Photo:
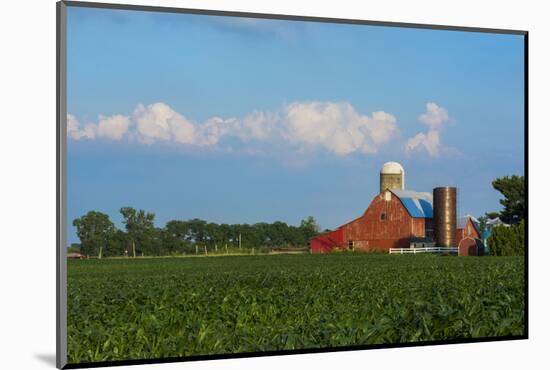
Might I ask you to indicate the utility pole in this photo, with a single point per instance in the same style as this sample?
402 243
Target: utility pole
239 240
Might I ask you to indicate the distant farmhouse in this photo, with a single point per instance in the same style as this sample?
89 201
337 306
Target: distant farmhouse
399 220
76 256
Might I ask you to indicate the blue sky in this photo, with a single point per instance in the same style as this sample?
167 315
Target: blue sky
240 120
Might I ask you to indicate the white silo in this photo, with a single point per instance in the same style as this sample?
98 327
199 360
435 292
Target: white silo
392 176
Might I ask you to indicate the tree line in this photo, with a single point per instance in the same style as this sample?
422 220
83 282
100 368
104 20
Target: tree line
140 237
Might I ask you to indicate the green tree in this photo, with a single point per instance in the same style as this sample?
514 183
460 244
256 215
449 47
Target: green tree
74 247
141 230
197 231
119 244
309 228
152 245
94 230
513 190
507 240
279 234
195 234
176 237
491 215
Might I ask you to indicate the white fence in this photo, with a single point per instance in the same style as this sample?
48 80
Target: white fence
451 250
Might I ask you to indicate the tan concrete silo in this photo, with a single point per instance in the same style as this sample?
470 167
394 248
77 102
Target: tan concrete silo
444 207
392 176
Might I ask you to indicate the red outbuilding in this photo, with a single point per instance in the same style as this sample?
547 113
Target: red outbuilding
468 237
326 242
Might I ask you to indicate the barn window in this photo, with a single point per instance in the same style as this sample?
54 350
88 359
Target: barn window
350 245
382 216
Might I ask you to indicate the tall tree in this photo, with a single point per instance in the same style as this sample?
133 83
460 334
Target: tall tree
141 229
197 231
119 244
176 236
94 230
309 228
513 190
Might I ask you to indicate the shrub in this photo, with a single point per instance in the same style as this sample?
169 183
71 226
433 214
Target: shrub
507 240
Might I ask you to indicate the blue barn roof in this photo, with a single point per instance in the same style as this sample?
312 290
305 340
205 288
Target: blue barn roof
418 204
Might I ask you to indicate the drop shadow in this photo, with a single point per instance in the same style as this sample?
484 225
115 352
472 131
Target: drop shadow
47 358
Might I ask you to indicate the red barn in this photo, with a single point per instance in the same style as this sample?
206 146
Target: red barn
398 218
391 220
326 242
468 237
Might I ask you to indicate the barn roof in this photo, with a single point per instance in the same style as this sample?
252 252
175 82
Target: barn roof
461 222
495 221
418 204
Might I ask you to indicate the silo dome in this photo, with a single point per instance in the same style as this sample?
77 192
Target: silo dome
392 176
392 168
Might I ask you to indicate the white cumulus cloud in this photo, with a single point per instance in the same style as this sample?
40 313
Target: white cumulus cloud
427 141
333 126
75 132
214 129
113 127
337 127
159 121
435 117
259 126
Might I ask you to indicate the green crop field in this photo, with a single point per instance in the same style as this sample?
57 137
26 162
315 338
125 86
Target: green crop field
166 307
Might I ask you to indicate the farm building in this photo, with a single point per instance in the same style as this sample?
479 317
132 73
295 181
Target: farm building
468 236
399 218
76 256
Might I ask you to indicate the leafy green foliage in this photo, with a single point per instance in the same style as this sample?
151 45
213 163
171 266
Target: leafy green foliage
513 190
73 248
182 236
118 244
188 237
141 230
507 240
309 228
94 230
164 307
